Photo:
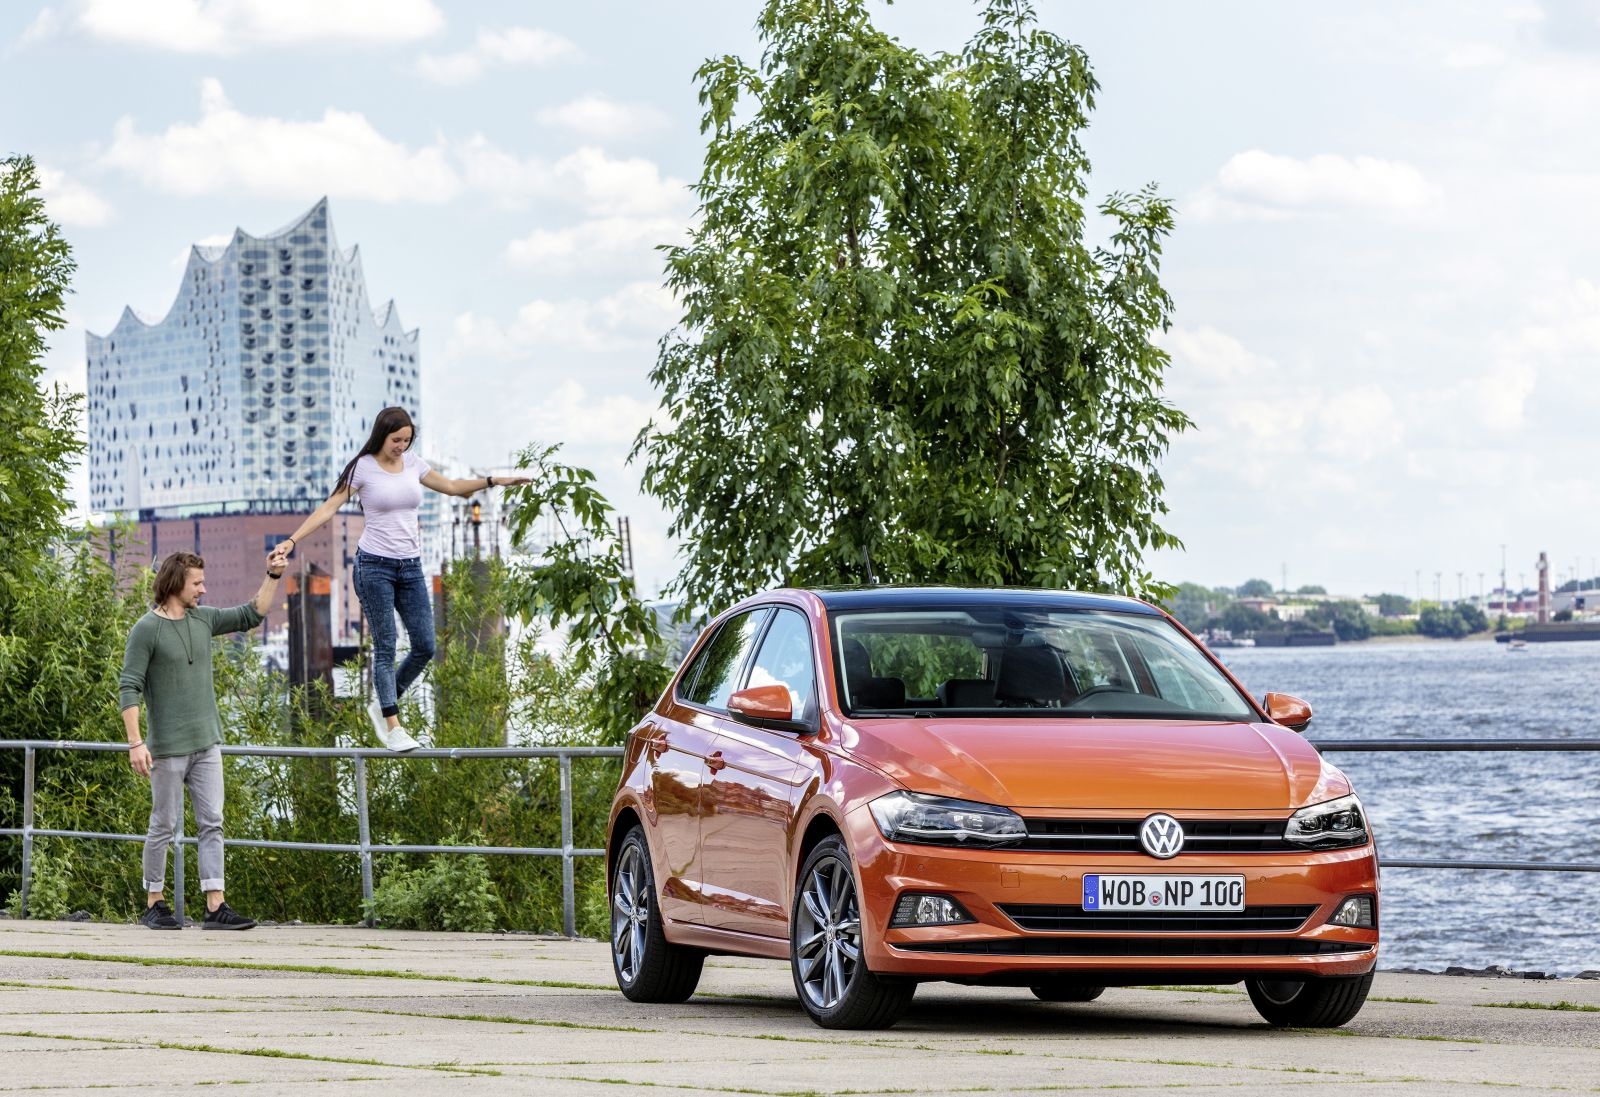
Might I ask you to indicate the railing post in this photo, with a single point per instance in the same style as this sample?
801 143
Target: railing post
178 886
27 831
569 920
364 836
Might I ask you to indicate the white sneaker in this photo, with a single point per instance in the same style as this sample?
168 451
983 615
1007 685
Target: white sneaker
398 739
380 722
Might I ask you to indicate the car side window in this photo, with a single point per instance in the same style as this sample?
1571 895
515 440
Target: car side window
785 658
724 658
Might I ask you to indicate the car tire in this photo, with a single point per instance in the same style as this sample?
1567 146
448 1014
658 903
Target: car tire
649 968
825 954
1309 1003
1061 991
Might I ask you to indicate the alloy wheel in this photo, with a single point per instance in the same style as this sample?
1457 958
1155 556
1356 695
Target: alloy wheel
828 937
630 914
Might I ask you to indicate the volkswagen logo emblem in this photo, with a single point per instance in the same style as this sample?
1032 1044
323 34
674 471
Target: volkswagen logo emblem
1161 836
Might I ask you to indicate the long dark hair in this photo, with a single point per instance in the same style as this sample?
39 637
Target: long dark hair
388 421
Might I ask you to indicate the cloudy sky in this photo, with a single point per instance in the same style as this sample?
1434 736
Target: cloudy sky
1385 268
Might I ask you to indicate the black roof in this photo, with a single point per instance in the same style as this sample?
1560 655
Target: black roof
847 598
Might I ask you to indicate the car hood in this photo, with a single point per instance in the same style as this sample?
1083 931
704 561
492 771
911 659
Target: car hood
1103 764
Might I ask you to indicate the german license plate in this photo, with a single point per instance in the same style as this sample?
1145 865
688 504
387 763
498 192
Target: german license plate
1163 892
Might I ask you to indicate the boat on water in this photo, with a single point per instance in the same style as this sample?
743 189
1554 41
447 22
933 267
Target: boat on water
1516 643
1552 632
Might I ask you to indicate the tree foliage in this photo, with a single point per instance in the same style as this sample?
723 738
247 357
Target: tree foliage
38 428
582 582
897 342
1452 622
1255 588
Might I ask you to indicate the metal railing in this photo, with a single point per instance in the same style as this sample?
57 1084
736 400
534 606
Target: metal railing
363 844
567 852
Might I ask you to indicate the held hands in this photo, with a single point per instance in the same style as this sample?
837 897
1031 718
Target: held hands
277 560
139 759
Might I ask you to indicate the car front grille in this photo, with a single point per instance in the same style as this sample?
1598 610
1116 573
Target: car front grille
1046 918
1136 946
1122 836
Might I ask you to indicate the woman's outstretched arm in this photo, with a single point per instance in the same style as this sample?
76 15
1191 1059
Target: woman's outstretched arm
316 521
446 486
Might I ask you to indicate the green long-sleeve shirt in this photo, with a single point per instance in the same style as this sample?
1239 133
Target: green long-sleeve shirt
169 663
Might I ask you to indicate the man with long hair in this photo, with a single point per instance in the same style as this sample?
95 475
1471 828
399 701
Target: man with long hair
168 664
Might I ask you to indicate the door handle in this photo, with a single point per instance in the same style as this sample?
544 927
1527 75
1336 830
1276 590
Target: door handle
715 761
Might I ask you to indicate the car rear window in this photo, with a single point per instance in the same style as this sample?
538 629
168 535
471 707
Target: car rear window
987 660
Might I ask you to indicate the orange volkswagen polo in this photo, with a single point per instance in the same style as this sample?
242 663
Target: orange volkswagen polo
1057 791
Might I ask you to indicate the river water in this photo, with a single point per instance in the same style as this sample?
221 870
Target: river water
1512 806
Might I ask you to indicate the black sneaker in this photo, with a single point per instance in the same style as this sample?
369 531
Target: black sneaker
225 917
159 916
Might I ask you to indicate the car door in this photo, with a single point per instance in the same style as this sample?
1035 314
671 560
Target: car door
676 743
755 778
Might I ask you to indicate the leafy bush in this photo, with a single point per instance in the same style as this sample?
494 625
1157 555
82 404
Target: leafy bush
50 891
449 892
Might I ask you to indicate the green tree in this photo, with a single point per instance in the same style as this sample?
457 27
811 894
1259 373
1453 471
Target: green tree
1255 588
1347 619
581 582
1393 605
897 343
38 443
38 429
1311 588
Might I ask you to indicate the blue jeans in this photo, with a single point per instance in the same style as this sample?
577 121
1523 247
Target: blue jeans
387 586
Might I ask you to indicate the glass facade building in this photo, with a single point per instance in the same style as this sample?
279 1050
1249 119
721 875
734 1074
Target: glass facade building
256 387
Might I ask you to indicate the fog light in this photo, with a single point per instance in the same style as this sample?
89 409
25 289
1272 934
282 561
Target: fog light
916 909
1358 911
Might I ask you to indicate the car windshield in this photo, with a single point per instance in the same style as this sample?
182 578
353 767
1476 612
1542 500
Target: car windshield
993 660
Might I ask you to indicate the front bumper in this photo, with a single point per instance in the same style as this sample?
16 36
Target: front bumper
996 949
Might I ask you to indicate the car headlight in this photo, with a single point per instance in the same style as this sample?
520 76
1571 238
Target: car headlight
941 821
1335 824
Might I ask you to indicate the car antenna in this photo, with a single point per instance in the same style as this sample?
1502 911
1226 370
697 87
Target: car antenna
867 556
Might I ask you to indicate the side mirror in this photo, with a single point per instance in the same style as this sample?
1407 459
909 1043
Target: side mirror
766 706
1289 711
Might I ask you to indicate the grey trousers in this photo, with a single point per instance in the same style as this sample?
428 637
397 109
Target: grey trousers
202 772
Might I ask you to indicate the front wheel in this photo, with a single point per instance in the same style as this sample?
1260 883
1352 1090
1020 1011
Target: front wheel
830 973
1309 1003
649 967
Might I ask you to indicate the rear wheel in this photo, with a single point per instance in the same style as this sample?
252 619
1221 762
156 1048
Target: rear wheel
830 972
1056 990
1309 1003
649 967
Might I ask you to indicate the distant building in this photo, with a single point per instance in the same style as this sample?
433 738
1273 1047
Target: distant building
217 427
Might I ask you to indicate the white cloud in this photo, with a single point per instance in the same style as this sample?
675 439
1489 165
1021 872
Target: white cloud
1211 355
595 117
598 245
226 27
607 424
631 319
599 184
339 154
71 202
496 48
1265 186
343 155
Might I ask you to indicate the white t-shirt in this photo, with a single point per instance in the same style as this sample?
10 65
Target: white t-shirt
390 501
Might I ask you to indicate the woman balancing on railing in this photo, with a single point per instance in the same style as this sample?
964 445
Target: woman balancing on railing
388 480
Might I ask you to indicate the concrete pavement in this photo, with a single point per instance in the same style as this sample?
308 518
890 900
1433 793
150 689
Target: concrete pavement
342 1010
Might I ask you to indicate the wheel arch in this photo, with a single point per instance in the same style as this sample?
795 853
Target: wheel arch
625 820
